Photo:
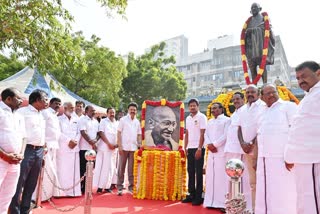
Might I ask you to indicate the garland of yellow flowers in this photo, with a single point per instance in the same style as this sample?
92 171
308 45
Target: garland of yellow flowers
264 51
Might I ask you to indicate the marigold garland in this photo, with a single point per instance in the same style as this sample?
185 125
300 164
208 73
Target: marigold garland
264 51
162 175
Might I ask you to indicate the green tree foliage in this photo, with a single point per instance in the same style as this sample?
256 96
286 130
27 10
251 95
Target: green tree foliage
153 76
39 30
101 82
9 66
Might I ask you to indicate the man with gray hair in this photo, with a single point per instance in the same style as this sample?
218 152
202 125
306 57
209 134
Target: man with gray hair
68 164
273 180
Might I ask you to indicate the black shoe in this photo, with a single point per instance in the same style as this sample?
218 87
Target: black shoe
223 210
188 199
99 190
119 192
197 202
113 186
108 190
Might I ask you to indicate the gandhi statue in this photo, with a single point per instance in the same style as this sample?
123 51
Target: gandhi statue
254 39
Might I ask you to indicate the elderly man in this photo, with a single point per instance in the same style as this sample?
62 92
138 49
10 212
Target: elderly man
68 165
215 139
128 140
233 149
196 124
88 127
104 171
162 124
12 132
273 180
52 133
302 152
248 116
31 164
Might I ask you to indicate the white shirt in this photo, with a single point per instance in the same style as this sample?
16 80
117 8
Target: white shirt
69 131
232 143
273 128
109 129
91 126
129 131
52 128
304 135
216 133
194 125
34 125
12 129
248 117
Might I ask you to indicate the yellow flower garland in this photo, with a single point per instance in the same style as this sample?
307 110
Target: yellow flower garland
162 176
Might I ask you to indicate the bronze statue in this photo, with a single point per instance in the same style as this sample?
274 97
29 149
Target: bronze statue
254 39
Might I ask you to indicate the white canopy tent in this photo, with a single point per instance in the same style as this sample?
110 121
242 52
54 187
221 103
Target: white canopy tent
30 79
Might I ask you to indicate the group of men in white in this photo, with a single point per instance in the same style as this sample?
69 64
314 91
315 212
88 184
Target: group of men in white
37 138
277 140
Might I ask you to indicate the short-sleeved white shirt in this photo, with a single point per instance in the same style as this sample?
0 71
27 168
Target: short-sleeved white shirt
194 125
91 126
12 129
109 128
34 125
52 128
129 131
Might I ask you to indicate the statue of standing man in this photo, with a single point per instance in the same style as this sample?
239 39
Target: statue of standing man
254 42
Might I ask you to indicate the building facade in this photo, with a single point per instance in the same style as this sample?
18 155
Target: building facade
220 66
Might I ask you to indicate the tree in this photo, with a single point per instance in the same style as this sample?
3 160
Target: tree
39 30
9 66
152 76
101 82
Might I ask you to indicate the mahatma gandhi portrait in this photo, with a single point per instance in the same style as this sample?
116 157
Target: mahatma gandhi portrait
162 127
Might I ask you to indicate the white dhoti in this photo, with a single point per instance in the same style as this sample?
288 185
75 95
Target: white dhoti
68 170
308 188
115 164
49 177
216 182
9 176
245 180
104 169
276 188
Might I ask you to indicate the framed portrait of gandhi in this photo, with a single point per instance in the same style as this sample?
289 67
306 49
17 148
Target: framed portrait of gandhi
162 124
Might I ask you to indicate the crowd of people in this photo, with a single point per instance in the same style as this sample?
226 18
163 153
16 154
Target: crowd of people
277 140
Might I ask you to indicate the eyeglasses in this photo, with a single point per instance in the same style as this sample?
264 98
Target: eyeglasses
167 123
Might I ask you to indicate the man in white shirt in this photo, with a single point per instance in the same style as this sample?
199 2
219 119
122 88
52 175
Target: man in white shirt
79 107
12 131
248 115
215 139
105 163
302 151
233 149
196 124
31 164
68 165
128 140
89 128
52 133
273 180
